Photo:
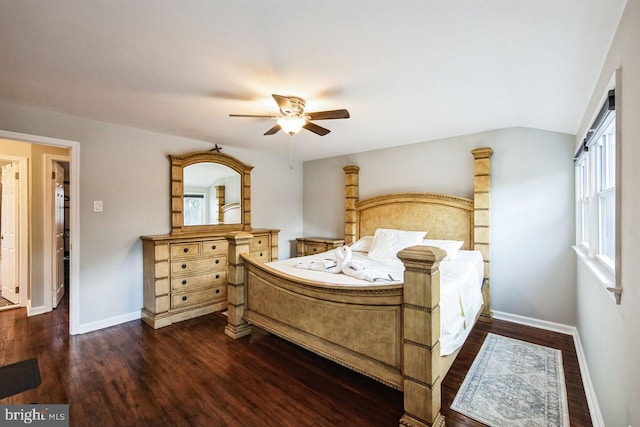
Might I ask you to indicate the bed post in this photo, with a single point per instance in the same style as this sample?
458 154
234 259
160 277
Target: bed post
237 327
482 219
421 336
350 199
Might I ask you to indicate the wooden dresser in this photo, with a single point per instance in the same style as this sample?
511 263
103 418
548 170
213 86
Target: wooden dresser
316 245
186 276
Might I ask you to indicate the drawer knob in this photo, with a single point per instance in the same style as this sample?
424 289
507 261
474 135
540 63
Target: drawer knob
184 265
217 261
213 246
217 276
186 250
184 282
259 242
315 249
184 298
260 253
217 291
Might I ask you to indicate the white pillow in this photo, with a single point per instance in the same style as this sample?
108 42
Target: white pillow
388 242
450 246
363 244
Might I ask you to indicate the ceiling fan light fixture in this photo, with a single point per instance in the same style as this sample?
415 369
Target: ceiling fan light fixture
293 117
291 125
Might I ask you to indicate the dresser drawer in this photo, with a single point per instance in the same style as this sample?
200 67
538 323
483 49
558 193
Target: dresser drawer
202 296
187 266
316 248
181 250
259 243
262 255
216 278
212 247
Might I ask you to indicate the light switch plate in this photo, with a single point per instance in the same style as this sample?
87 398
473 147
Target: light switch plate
97 205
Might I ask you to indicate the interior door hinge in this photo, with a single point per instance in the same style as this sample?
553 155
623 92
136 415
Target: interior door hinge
17 175
53 175
17 289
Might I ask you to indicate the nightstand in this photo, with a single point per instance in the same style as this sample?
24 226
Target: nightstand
316 245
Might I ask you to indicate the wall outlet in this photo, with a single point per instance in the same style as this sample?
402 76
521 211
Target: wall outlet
97 205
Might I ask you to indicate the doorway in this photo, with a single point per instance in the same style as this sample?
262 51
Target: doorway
73 159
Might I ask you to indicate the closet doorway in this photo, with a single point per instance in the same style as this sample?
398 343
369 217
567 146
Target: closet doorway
57 204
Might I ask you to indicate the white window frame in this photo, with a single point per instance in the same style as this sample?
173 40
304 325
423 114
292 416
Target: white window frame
596 178
604 153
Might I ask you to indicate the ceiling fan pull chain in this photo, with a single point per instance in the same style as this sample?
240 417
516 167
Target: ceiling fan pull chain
291 154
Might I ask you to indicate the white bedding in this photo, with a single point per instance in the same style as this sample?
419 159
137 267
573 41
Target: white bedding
460 288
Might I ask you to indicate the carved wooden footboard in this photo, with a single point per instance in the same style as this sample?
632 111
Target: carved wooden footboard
389 333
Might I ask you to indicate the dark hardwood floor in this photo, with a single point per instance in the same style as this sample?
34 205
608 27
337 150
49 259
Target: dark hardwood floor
191 374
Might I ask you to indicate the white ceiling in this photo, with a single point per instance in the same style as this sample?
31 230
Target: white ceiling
407 71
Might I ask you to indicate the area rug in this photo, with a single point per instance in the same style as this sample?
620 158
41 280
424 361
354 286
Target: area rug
19 377
514 383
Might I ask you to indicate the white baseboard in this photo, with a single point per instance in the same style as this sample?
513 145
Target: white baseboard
105 323
592 401
536 323
33 311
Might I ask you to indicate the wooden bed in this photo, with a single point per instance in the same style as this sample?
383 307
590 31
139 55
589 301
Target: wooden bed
387 332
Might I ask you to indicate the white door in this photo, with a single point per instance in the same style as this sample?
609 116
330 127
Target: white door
58 206
9 225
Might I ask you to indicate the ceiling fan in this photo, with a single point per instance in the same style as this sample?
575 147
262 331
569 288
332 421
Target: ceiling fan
293 118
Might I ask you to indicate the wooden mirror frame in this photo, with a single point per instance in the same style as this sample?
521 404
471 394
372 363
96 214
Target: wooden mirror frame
179 162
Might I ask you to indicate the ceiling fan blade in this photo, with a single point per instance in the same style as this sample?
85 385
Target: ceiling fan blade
273 130
325 115
284 103
254 115
316 129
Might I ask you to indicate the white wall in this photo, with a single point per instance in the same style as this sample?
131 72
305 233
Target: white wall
128 170
610 333
533 266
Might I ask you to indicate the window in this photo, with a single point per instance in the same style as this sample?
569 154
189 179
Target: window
595 166
582 202
194 209
606 192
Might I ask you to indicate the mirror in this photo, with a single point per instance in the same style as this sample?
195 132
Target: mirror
210 191
211 195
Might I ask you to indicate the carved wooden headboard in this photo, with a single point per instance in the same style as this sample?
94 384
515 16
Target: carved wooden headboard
442 216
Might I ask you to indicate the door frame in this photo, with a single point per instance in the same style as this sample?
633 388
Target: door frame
49 226
23 228
74 218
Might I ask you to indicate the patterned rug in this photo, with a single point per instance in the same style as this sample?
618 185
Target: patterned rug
514 383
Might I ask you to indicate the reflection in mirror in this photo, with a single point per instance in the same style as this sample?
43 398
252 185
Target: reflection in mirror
212 194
